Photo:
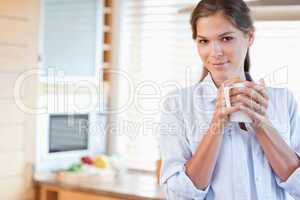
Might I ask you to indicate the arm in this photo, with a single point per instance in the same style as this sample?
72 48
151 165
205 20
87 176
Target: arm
183 175
200 168
175 152
283 158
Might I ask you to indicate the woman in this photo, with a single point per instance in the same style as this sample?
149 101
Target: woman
204 155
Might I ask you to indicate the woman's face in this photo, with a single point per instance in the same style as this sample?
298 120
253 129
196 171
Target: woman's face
222 47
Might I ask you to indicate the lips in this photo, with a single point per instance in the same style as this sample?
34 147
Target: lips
219 63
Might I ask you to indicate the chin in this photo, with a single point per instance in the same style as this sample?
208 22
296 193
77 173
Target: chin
221 77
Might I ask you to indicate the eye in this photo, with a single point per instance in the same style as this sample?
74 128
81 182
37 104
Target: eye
227 38
202 41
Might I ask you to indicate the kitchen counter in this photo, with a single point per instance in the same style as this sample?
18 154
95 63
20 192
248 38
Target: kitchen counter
131 185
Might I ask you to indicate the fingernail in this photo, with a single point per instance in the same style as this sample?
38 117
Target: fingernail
262 81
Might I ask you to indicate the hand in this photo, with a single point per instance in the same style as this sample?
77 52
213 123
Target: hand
221 113
253 100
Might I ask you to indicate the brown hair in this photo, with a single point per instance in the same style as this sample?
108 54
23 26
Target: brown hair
236 11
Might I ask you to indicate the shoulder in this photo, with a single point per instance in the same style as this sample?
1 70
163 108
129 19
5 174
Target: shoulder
180 97
281 95
277 90
282 105
197 88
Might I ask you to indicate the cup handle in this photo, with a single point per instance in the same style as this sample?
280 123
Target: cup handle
227 96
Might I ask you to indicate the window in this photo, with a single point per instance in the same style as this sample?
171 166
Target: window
274 54
158 55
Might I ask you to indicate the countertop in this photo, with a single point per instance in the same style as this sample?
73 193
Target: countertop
131 185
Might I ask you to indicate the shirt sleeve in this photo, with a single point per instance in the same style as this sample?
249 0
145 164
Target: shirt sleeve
175 152
292 184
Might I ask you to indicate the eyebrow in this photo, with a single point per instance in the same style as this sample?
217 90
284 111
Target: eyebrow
226 33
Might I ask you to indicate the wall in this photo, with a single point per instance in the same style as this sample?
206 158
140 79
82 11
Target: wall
18 53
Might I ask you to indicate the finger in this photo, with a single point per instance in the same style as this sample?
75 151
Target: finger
258 88
249 103
253 115
228 110
221 99
231 81
261 89
254 95
220 103
224 84
249 92
262 82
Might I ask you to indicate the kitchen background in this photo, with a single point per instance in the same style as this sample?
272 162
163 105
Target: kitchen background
108 63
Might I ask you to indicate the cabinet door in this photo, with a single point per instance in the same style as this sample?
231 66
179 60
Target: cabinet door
70 36
69 195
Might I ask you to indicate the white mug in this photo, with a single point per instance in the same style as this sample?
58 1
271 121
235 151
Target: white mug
236 116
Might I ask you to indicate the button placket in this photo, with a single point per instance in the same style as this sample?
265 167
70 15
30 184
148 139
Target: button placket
238 168
256 154
228 130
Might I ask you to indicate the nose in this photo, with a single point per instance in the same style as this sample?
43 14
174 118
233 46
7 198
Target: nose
216 49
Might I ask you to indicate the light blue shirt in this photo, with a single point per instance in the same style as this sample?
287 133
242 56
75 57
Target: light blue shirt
242 171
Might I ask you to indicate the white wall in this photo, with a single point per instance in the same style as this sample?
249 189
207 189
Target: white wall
18 53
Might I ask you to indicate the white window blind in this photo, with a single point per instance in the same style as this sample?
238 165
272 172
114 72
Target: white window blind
275 53
158 54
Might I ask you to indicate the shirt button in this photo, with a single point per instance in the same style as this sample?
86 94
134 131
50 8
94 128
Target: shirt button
258 152
228 132
257 179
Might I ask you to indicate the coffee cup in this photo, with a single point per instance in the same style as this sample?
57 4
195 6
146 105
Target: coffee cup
238 116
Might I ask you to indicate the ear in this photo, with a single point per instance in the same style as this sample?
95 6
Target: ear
250 37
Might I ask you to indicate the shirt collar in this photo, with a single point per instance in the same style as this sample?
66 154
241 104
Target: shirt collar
210 90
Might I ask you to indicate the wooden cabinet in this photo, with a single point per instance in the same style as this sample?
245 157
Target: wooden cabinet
107 38
69 195
48 192
129 186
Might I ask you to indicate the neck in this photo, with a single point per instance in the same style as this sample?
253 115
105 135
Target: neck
219 80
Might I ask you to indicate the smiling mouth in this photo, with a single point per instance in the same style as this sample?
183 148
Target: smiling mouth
223 63
219 65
